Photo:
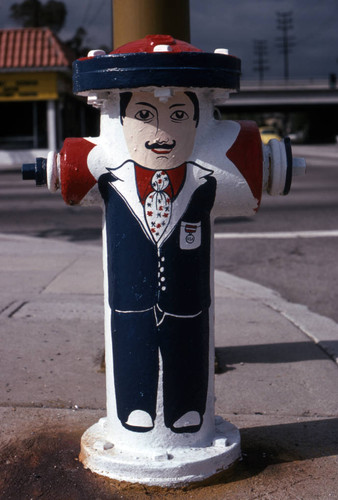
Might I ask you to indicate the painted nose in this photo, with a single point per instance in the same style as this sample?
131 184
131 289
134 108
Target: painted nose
161 140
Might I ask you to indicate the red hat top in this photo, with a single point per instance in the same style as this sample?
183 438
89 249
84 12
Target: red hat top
154 43
156 61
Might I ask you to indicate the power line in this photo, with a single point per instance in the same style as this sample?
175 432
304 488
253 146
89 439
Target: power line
86 12
96 12
260 63
285 42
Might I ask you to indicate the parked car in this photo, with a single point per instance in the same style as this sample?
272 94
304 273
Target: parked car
268 133
297 137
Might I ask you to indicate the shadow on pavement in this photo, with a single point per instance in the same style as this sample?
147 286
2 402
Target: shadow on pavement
288 352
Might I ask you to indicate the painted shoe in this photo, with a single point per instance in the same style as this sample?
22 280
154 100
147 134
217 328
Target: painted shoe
189 422
139 421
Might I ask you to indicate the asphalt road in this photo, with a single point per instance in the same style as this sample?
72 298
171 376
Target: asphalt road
302 269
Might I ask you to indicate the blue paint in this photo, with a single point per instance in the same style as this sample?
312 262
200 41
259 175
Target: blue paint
183 69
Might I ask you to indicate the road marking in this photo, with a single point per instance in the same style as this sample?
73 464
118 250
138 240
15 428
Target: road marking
278 235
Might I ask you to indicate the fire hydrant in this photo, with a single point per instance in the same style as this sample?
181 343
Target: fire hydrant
165 166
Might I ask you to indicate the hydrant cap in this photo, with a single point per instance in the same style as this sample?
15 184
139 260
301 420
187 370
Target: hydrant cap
156 61
149 43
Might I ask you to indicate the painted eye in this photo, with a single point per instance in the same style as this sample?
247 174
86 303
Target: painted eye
179 115
144 115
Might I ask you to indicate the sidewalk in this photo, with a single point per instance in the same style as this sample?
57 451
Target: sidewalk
277 379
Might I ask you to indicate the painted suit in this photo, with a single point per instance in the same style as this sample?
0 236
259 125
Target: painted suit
159 295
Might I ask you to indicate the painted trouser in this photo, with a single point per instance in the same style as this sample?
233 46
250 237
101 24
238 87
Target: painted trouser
183 342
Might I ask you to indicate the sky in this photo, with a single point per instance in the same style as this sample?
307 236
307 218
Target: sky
234 25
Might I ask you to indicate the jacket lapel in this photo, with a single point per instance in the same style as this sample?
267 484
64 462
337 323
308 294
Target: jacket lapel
195 177
124 183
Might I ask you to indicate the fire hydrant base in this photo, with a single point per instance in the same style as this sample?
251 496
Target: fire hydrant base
167 468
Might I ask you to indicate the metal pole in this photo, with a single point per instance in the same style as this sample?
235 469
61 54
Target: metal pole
134 19
35 125
51 125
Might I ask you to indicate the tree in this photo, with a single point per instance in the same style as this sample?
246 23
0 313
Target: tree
34 14
76 43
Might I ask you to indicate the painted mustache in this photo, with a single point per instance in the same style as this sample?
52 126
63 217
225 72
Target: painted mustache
157 147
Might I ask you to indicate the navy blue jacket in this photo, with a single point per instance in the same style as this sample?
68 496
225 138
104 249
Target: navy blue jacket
175 275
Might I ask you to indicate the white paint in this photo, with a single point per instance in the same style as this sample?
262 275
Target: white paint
170 467
276 164
221 51
162 48
278 235
163 94
96 52
53 171
275 167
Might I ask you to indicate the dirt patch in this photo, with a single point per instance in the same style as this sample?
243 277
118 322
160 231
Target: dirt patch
45 465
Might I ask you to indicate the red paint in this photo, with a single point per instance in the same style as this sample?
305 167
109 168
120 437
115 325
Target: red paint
76 179
148 43
246 153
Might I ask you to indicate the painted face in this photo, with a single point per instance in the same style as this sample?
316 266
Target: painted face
159 135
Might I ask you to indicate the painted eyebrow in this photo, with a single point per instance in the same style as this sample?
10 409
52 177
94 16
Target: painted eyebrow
147 104
176 105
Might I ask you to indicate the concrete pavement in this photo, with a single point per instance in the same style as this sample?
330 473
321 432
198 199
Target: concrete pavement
277 379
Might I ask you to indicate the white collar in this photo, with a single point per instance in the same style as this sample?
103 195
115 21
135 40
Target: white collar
125 185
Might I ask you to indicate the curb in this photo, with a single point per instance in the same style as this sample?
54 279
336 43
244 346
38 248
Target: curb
321 330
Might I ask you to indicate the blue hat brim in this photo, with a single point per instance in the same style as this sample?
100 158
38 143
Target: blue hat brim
181 69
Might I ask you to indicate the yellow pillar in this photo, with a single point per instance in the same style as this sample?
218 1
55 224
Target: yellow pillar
134 19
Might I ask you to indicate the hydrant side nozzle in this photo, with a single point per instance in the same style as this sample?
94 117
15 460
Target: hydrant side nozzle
279 166
35 171
279 169
298 166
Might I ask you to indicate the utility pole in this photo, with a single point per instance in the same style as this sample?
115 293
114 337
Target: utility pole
285 42
260 51
134 19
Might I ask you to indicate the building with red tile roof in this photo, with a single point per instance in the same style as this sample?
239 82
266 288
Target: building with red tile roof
32 48
36 97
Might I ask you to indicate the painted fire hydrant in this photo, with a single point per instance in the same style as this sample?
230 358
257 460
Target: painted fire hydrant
165 167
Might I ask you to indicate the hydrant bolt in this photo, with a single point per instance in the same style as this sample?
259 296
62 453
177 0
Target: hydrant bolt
35 171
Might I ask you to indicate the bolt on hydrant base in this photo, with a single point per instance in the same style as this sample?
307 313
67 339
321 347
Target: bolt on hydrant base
170 468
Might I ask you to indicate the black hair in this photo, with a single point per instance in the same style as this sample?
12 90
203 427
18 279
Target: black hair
124 101
193 98
126 96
